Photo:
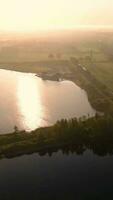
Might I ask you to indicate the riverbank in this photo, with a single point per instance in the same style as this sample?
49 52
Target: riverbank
72 135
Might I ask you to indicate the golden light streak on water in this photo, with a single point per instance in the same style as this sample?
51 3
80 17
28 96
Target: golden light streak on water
29 102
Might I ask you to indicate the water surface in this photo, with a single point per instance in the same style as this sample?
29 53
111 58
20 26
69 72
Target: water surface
29 102
59 177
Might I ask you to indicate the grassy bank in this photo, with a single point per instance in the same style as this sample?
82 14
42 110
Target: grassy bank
74 135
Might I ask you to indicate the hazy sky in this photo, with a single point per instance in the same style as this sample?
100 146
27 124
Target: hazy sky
31 15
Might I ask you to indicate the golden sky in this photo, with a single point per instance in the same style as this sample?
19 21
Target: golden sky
34 15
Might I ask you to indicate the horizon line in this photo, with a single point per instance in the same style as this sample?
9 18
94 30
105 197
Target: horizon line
79 27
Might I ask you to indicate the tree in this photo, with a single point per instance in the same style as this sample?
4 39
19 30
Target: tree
51 56
16 129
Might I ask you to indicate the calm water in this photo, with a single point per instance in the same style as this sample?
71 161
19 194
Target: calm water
60 177
29 102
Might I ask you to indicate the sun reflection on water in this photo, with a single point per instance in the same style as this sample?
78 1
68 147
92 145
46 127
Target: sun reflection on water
29 102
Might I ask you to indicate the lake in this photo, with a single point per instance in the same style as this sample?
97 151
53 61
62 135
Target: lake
59 177
29 102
